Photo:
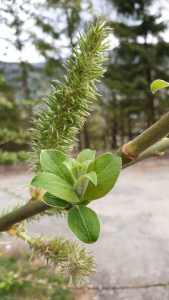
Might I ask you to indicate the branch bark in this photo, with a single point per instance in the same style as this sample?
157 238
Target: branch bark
151 136
156 150
24 212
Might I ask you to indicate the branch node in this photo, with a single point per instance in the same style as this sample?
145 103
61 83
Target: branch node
31 201
128 154
159 153
12 230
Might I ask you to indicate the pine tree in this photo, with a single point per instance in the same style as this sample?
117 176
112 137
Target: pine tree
12 133
140 58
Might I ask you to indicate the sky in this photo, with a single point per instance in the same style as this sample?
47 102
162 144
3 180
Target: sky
29 53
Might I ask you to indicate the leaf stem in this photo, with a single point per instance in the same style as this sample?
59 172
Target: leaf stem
24 237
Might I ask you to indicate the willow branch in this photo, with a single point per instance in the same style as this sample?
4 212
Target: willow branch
24 212
154 151
148 138
142 144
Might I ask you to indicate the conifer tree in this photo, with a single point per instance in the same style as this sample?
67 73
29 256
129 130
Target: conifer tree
12 131
140 58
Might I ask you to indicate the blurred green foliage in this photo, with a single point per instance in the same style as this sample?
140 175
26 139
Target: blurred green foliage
142 55
13 135
22 280
9 157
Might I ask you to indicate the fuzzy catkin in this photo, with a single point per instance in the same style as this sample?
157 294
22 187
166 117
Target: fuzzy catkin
69 104
72 260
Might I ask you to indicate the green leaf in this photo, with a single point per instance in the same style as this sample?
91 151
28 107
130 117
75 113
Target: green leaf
82 183
158 84
85 202
84 223
56 186
87 166
52 162
86 154
107 167
74 167
91 176
54 201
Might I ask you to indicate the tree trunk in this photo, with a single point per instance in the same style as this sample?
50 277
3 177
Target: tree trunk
114 128
26 90
114 134
86 137
150 101
79 142
130 136
122 127
25 80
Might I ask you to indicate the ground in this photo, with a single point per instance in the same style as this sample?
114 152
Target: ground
132 253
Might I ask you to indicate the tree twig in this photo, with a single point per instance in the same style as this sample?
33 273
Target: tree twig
148 138
22 213
154 151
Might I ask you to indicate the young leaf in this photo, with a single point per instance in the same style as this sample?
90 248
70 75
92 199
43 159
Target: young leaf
88 166
74 167
107 167
54 201
85 202
86 154
82 183
52 162
158 84
84 223
56 186
91 176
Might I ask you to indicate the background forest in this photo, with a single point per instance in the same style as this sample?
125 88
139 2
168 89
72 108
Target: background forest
35 41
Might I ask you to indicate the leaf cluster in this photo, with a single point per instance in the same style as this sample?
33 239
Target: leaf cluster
74 183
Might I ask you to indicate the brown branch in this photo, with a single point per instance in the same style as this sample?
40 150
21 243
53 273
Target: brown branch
24 212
